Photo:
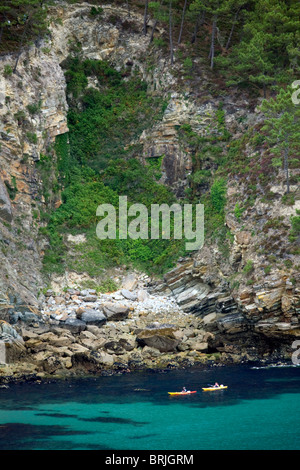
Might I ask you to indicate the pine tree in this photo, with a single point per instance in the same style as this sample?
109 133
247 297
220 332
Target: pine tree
252 62
4 18
22 21
212 9
236 9
268 52
282 127
145 17
159 15
182 21
171 32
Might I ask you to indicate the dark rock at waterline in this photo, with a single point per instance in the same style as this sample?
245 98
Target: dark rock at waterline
114 347
119 347
159 337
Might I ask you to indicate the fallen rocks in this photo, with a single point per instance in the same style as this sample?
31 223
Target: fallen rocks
160 337
130 282
115 311
93 317
74 325
128 295
82 330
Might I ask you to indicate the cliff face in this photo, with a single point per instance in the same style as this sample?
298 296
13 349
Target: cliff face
248 294
33 111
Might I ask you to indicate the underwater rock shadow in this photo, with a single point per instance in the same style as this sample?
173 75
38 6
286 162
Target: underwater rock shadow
27 436
112 419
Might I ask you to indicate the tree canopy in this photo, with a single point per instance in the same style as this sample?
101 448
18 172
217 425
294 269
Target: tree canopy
21 21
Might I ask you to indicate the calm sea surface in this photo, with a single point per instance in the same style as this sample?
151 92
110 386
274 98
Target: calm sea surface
260 410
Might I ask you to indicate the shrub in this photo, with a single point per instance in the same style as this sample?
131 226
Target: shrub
248 268
96 11
295 220
238 211
32 137
218 194
20 116
188 64
7 71
34 108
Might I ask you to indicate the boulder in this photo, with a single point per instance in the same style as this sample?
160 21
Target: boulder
200 346
114 347
27 334
130 282
90 298
93 317
51 364
28 318
149 353
79 311
87 335
142 295
128 295
96 330
60 341
105 359
115 311
8 332
118 347
90 341
36 345
160 337
12 346
79 349
74 325
128 345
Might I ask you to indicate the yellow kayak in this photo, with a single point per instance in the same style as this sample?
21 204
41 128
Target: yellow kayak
212 389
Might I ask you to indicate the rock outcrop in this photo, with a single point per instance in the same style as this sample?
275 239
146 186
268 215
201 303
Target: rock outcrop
5 204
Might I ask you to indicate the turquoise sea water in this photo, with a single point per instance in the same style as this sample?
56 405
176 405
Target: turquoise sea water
260 410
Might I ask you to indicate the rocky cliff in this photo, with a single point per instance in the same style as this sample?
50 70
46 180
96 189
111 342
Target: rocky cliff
241 299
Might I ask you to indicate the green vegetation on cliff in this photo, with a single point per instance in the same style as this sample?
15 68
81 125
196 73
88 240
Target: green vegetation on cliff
244 44
97 164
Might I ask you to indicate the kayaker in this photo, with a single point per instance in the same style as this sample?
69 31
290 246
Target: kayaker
216 385
184 389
